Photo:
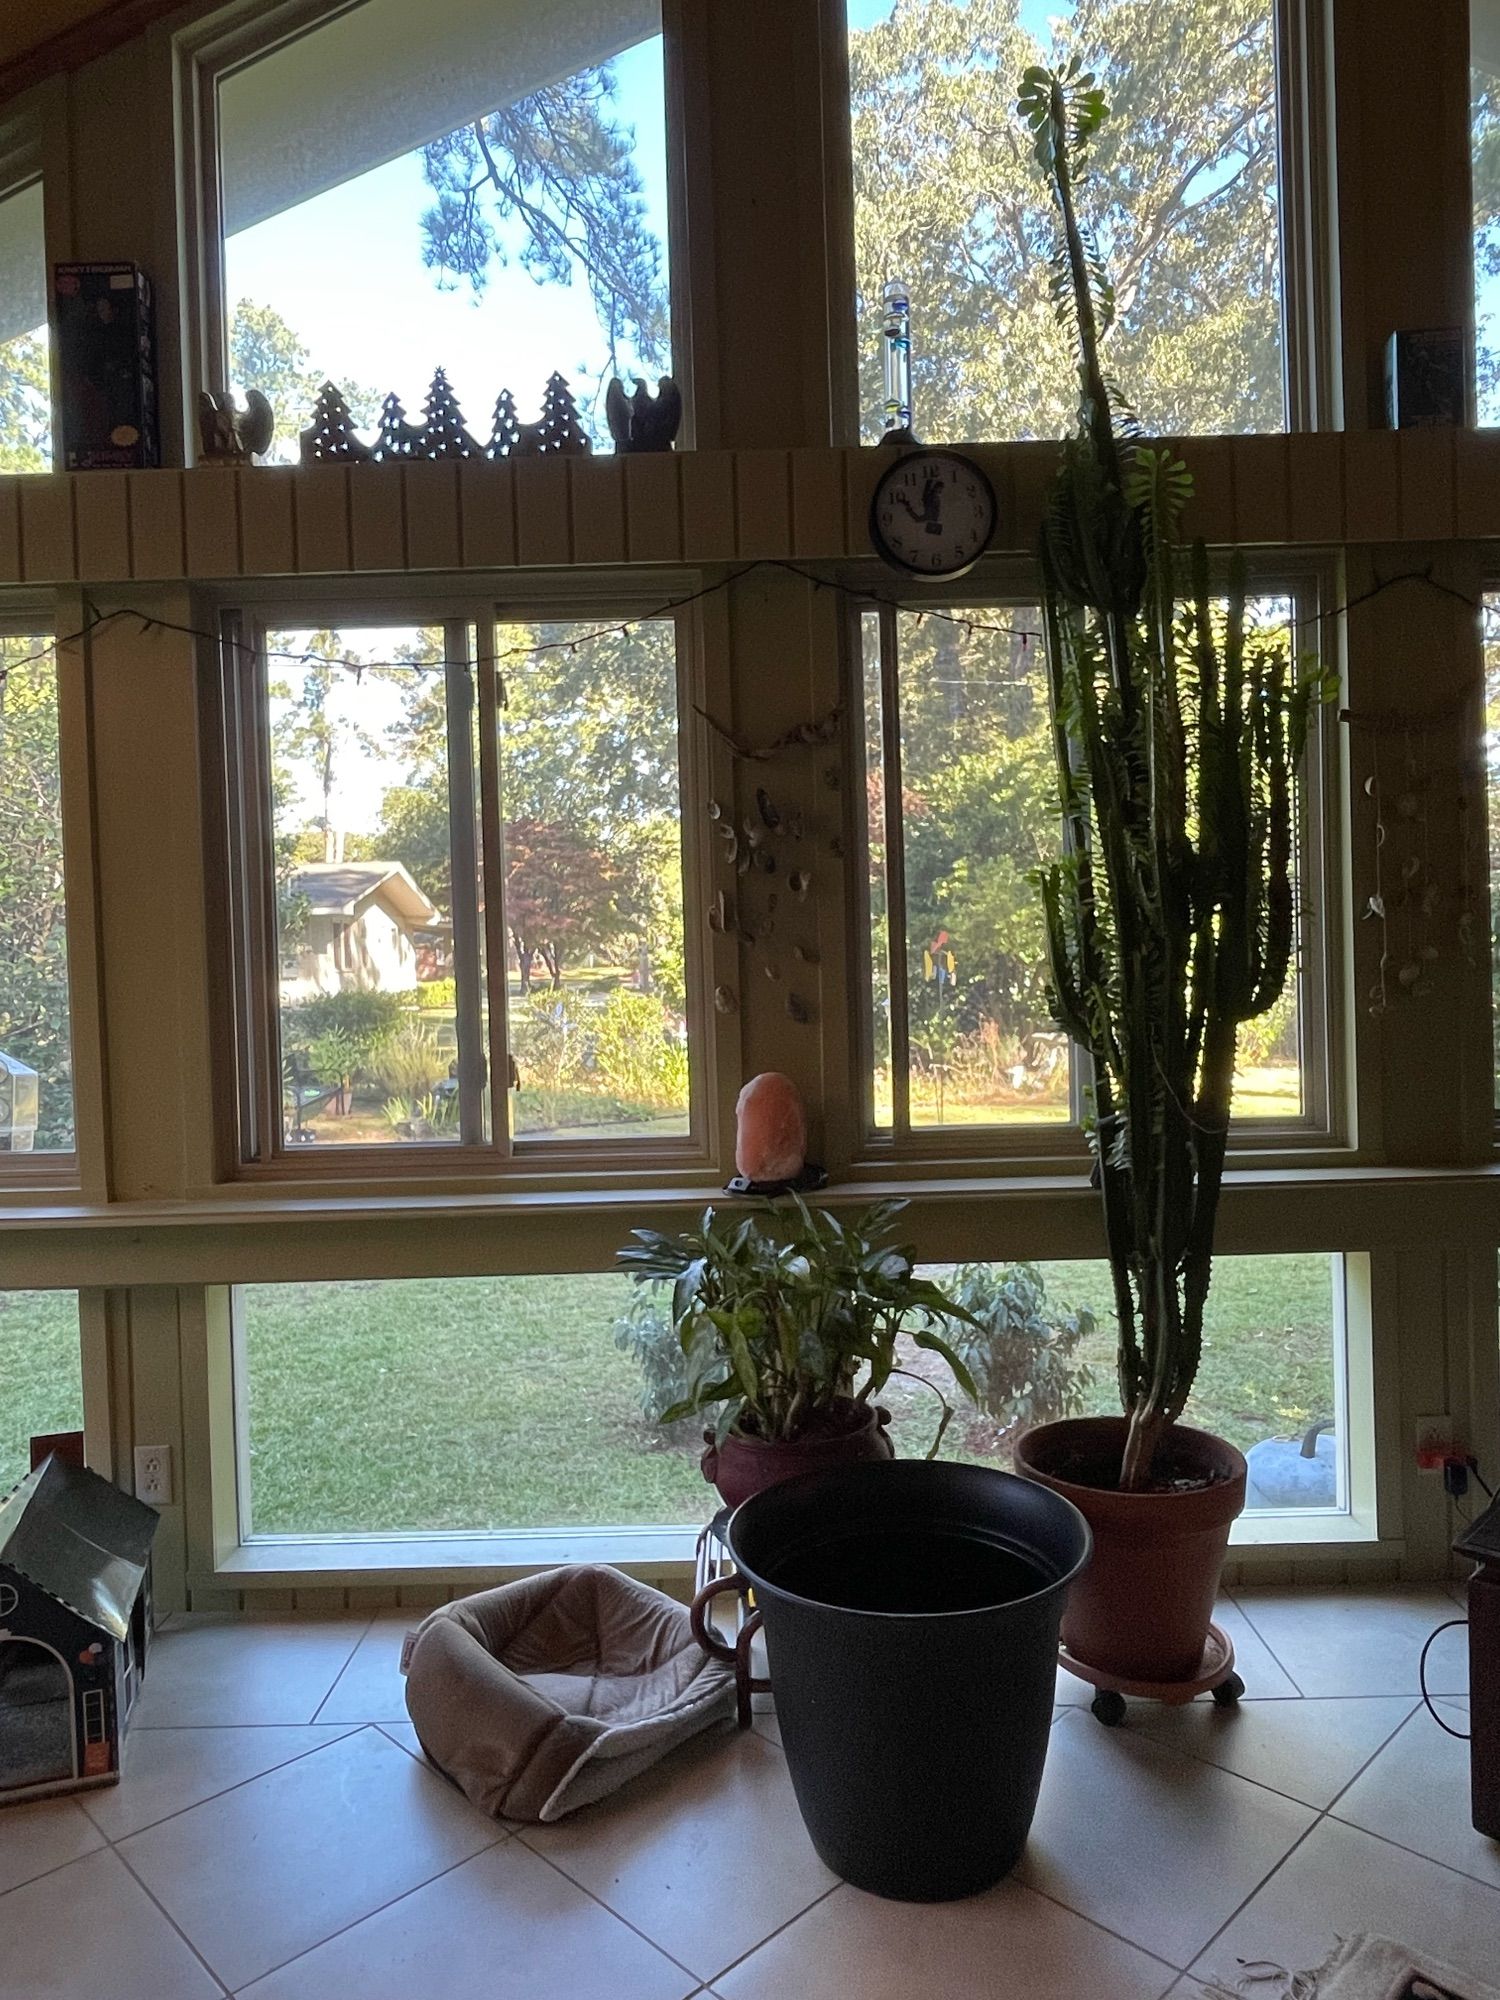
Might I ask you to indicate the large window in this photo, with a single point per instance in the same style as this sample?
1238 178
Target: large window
476 184
531 1402
948 202
36 1065
460 855
1484 34
41 1375
961 809
25 384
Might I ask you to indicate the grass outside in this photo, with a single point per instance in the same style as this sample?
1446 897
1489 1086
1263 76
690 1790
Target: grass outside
1272 1091
472 1403
41 1375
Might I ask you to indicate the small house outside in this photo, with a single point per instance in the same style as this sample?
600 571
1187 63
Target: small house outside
354 927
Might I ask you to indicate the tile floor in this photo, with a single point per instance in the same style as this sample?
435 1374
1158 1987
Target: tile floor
278 1834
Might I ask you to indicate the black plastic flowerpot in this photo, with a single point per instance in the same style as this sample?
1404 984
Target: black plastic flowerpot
911 1615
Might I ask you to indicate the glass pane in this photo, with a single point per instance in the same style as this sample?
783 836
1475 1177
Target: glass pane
25 381
1268 1079
593 881
875 850
1183 193
483 188
1271 1379
979 812
36 1058
364 892
517 1409
41 1374
1484 44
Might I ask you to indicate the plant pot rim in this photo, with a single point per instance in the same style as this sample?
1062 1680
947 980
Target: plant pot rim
1222 1498
873 1417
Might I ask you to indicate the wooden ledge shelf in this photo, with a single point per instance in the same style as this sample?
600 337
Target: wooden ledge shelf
215 524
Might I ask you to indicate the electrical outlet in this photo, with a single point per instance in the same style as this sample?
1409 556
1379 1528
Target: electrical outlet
1435 1441
153 1474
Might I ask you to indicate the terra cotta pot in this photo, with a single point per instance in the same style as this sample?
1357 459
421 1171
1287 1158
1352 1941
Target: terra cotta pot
743 1465
1141 1610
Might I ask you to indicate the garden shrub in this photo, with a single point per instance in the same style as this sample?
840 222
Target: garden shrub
364 1017
408 1062
637 1055
437 994
1023 1357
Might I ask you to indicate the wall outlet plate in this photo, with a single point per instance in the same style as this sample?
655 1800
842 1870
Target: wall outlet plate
1435 1442
153 1474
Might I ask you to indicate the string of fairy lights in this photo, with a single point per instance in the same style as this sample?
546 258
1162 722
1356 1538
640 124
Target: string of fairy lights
968 622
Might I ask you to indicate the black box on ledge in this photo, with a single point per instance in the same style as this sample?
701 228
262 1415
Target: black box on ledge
106 347
1426 378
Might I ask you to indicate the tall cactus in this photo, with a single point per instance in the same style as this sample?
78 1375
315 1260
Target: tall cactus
1170 917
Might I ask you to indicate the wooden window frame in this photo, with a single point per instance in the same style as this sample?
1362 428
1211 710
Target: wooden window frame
238 35
1310 331
1060 1145
250 1138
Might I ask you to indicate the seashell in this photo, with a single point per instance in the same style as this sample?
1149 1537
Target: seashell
724 999
767 811
799 881
771 969
715 810
797 1008
804 954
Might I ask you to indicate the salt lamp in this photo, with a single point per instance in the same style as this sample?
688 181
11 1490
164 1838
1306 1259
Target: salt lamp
770 1141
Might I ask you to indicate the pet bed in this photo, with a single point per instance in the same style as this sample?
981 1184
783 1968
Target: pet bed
546 1694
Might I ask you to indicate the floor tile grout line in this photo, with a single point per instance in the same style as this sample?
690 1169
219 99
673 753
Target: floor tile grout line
770 1936
1239 1607
369 1627
1403 1724
1417 1854
369 1915
1245 1901
155 1901
609 1908
297 1756
57 1866
1094 1923
1187 1750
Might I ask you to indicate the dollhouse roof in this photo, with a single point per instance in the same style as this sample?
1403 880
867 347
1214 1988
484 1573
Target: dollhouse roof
79 1539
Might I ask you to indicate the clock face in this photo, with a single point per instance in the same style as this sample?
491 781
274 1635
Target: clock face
933 513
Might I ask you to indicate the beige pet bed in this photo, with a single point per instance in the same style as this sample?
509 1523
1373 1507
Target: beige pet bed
546 1694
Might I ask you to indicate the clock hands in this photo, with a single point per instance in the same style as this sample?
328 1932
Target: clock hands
931 508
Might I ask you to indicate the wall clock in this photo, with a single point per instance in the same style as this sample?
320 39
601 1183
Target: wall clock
933 514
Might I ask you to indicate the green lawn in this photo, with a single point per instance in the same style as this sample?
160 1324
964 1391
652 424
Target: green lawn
503 1402
41 1385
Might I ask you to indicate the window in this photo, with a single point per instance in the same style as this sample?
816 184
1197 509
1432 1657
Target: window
1272 1381
25 381
961 809
1484 35
948 202
451 1405
529 1402
36 1066
468 184
41 1374
450 877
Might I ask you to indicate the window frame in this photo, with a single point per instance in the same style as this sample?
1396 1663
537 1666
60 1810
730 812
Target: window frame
251 1144
22 613
235 37
29 158
1311 370
1059 1145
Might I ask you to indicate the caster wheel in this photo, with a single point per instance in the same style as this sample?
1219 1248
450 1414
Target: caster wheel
1227 1693
1109 1708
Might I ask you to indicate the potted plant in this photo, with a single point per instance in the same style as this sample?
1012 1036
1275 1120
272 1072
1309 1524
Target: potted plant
788 1320
1169 922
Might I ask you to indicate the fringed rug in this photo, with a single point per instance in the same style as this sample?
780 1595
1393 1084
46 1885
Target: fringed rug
1363 1968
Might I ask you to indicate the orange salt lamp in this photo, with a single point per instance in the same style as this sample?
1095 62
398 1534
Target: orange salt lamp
770 1141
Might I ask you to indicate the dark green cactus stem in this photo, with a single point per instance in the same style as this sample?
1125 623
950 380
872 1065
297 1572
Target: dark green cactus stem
1170 918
